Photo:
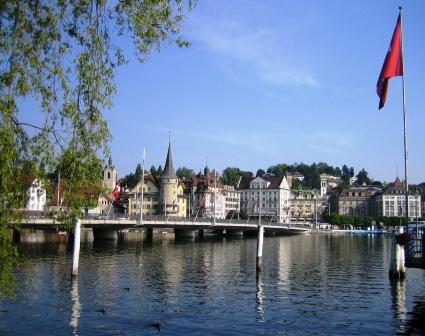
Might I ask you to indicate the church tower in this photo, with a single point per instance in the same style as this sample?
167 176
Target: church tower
168 187
109 176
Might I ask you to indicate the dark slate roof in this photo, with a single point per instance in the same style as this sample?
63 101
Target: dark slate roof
168 171
275 181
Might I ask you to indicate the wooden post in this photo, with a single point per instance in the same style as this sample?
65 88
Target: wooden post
260 238
397 267
76 252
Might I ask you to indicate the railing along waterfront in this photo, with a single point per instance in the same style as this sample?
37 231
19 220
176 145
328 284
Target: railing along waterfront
414 251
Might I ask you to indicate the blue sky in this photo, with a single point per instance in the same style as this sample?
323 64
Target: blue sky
268 82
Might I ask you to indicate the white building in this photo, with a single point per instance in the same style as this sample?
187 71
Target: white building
392 202
232 199
109 181
328 182
207 195
36 195
268 197
306 205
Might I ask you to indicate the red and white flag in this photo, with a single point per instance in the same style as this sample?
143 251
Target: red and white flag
393 64
201 201
116 190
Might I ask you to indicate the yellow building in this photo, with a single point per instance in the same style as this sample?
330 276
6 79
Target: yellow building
162 195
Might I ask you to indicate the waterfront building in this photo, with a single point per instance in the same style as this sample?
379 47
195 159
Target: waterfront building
109 181
306 205
162 195
392 201
328 182
151 188
232 199
36 194
357 201
209 197
422 206
268 196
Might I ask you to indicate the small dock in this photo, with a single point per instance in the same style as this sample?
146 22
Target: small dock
414 251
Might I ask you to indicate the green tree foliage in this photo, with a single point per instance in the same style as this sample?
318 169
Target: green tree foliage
129 181
345 175
363 178
233 214
337 172
138 173
363 221
278 170
184 172
156 171
231 176
260 172
62 56
312 172
297 184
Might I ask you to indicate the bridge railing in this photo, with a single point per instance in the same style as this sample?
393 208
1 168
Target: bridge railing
175 219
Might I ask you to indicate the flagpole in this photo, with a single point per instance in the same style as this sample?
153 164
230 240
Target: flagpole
406 184
143 185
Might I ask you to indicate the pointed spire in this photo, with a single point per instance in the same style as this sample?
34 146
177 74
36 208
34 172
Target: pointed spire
168 171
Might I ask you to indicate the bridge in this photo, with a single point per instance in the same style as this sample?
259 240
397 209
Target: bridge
116 222
106 228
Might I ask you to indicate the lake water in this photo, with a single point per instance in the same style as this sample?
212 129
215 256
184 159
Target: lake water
310 284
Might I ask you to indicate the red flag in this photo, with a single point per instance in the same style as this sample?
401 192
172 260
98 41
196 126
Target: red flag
393 64
201 202
116 190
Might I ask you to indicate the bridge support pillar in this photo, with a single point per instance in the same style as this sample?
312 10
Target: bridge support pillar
184 233
260 238
104 234
234 233
149 234
76 251
397 267
201 233
16 236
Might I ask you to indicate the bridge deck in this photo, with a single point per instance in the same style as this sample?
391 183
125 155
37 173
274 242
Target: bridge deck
163 222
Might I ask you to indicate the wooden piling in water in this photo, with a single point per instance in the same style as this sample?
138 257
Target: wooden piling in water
76 251
397 267
260 238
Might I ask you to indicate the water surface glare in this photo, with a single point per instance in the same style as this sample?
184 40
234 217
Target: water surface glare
310 284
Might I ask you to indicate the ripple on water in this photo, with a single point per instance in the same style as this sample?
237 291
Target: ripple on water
310 284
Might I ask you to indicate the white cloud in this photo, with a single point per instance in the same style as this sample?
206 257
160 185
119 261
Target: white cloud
258 51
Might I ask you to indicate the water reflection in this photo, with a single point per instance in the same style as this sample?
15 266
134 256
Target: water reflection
416 318
76 307
259 298
311 283
398 292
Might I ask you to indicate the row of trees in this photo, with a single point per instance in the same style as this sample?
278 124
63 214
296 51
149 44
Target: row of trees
231 175
131 179
364 221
